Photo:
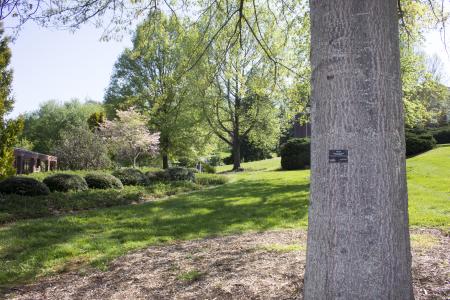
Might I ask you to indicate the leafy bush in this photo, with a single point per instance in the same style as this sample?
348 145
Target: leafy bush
295 154
207 168
187 162
418 143
210 179
65 182
442 135
215 160
81 149
16 207
250 151
131 176
24 186
180 174
229 160
156 176
103 181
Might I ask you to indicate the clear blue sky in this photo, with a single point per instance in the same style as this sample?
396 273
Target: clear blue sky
51 64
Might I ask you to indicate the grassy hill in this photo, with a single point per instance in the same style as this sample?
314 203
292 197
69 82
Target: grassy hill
260 199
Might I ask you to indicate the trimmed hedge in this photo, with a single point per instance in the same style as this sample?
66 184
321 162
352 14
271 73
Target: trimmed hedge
442 135
156 176
295 154
65 183
131 176
103 181
180 174
418 143
24 186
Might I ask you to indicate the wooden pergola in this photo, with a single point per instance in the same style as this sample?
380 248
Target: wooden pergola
26 161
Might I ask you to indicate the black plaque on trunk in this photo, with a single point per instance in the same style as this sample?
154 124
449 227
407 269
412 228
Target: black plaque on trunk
338 156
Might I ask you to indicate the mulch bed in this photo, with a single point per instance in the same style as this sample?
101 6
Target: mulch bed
268 265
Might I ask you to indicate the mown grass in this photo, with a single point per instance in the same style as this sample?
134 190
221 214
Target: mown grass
251 201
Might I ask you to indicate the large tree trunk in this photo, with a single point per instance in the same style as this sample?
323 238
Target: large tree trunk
358 238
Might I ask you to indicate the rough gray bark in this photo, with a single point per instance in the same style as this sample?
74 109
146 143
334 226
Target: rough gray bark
358 238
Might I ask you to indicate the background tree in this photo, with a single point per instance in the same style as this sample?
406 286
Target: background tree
44 126
96 120
129 136
78 148
152 78
9 129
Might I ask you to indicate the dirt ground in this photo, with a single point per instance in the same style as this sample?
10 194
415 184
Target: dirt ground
267 265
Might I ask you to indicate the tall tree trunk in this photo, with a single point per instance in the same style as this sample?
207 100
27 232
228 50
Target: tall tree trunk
236 153
358 238
165 161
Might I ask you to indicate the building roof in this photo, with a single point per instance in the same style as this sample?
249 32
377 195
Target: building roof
30 154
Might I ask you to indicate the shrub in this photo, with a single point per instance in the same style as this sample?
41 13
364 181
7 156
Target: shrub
24 186
65 182
418 143
207 168
442 135
229 160
215 160
103 181
295 154
131 176
210 179
81 149
156 176
179 174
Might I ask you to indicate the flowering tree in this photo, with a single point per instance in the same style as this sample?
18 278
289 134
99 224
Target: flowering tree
129 136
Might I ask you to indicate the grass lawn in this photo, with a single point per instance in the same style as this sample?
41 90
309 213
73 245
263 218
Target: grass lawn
260 199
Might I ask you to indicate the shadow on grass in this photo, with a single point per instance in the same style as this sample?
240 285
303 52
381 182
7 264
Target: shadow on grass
33 248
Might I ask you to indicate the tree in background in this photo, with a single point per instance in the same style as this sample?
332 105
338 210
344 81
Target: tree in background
44 127
129 137
9 129
153 78
78 148
96 120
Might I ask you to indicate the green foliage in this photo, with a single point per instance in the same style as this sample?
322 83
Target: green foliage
162 45
207 168
16 207
9 129
190 276
130 176
24 186
442 135
95 120
45 127
79 148
295 154
210 179
156 176
23 143
65 182
251 151
103 181
180 174
215 160
417 143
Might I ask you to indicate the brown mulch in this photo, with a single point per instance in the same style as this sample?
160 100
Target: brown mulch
267 265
